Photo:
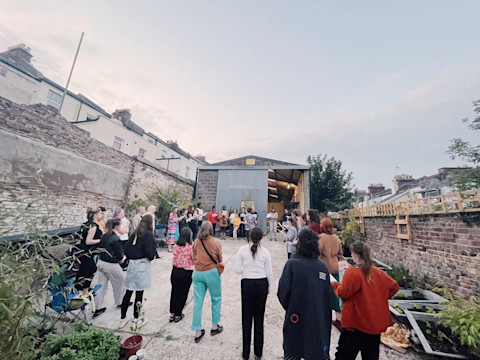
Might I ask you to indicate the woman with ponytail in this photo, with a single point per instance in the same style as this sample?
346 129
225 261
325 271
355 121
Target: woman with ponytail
254 263
365 290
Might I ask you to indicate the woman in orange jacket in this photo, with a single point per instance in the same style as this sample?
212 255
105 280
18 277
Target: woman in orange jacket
365 290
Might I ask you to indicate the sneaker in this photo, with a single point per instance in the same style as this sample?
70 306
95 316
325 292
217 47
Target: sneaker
99 312
216 331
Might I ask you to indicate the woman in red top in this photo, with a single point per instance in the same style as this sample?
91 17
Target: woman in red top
181 277
313 220
365 290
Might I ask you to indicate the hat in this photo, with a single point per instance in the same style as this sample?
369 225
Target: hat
174 206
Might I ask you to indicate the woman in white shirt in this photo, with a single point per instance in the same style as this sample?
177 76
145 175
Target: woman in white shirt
254 263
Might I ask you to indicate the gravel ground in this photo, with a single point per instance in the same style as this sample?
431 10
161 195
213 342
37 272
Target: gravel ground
164 340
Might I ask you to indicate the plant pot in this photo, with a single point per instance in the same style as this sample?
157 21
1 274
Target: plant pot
132 345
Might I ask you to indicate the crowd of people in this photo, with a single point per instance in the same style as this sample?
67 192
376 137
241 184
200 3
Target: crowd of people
309 288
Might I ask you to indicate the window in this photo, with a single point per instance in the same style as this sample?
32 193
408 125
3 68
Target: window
117 143
187 171
164 154
141 153
151 141
54 99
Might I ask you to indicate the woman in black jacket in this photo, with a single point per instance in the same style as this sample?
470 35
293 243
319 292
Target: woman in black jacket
140 250
304 292
108 265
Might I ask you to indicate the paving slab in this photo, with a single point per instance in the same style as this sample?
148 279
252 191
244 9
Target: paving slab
164 340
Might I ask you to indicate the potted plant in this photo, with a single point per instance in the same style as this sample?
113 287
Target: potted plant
348 236
132 344
402 276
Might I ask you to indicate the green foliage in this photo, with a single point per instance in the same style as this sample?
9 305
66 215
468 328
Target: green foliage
351 231
331 186
469 178
402 276
82 343
462 317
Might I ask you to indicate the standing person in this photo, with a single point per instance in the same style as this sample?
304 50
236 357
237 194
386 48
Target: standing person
91 235
303 291
232 217
254 263
313 220
100 218
172 228
151 211
181 277
122 231
108 266
192 221
199 213
249 223
331 252
241 229
182 220
207 255
140 250
255 215
365 290
272 218
303 222
285 216
291 237
223 222
236 226
137 218
212 217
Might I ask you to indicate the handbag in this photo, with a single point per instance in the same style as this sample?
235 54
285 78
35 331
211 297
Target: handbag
220 265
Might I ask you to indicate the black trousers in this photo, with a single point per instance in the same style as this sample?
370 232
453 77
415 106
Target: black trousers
181 280
126 301
351 342
241 230
214 228
254 297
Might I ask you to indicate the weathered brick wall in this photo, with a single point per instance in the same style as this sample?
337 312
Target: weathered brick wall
77 171
207 187
444 247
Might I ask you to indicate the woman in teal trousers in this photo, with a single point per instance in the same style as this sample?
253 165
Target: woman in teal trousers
207 255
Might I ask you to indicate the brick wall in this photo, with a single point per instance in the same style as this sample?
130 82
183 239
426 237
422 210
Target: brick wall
444 247
77 171
207 187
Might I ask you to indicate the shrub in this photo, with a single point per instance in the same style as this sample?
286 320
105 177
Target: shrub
402 276
82 343
350 233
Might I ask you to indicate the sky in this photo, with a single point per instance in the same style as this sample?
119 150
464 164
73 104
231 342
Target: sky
381 86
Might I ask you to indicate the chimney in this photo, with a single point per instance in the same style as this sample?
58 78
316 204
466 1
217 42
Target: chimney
201 158
375 189
399 181
172 144
123 115
18 53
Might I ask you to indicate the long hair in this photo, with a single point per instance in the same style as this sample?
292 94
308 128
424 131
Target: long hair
293 221
363 251
256 235
112 224
326 226
185 237
144 226
206 230
314 216
308 244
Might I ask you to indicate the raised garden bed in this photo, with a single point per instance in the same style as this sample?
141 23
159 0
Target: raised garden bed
398 308
418 295
435 338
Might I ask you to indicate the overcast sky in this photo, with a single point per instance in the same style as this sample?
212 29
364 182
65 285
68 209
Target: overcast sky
375 84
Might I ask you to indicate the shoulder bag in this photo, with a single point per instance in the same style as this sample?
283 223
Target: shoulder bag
220 265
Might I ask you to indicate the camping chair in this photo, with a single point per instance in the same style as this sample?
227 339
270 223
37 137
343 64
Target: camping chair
67 300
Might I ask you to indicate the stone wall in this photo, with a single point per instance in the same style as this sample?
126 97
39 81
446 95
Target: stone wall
444 247
77 171
207 187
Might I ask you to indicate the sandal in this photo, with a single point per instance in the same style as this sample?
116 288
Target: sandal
179 318
198 338
172 318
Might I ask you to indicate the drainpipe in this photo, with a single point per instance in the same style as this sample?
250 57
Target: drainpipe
195 186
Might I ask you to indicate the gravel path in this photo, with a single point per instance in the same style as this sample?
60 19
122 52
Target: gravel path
164 340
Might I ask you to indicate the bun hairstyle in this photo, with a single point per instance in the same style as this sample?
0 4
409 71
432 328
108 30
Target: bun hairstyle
112 224
326 226
91 213
256 235
363 251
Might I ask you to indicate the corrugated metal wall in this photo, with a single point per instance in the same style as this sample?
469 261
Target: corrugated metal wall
237 185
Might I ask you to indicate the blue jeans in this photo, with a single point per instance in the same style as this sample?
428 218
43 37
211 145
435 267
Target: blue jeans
203 280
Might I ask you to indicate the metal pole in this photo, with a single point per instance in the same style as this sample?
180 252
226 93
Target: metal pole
70 76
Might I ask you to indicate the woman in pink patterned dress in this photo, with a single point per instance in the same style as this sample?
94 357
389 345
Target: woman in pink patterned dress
172 228
181 277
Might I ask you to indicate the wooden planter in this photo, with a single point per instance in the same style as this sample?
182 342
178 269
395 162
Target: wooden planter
405 305
430 296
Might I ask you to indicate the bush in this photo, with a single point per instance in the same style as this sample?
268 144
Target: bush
402 276
350 233
82 343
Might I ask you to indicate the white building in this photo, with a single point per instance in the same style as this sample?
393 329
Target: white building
21 83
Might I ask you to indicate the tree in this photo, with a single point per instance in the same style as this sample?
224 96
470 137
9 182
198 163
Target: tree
469 178
331 186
